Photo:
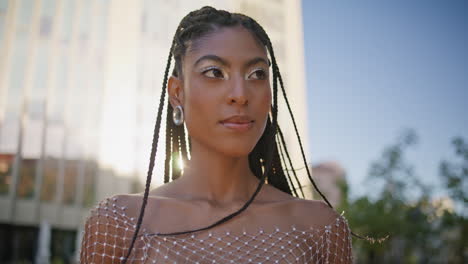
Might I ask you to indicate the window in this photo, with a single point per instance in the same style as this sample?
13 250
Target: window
89 184
50 177
6 170
70 180
26 178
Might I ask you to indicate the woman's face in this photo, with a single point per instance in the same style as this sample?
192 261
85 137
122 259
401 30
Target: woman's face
224 91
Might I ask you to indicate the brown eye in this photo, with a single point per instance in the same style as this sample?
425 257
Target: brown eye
258 75
214 73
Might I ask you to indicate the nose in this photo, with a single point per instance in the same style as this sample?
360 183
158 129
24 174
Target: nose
238 93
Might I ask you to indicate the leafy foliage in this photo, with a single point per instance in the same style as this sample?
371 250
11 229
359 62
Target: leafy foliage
420 228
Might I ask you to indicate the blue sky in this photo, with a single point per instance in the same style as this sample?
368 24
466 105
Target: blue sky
374 68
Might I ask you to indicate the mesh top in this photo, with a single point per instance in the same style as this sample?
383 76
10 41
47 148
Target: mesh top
108 232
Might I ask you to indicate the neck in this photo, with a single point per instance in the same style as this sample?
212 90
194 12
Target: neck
217 178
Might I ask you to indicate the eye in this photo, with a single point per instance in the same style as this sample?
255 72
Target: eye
214 72
258 74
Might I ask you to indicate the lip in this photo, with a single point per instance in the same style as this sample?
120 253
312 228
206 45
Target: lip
240 123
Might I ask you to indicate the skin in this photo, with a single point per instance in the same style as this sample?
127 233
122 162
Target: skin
224 78
217 180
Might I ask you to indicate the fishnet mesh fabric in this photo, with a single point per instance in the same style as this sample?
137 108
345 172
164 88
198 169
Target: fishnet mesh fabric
108 232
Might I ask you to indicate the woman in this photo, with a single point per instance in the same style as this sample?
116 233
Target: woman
220 211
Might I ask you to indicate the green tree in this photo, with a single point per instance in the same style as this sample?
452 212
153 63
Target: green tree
454 226
399 207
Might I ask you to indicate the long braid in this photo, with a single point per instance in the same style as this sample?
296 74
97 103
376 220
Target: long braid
168 144
232 215
278 178
183 145
194 25
288 176
154 147
300 141
175 156
303 154
269 133
283 144
276 69
255 156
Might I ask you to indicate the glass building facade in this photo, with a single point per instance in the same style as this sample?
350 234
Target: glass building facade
79 86
52 70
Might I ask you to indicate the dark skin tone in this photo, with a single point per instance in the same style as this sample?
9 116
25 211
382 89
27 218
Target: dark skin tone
220 81
225 73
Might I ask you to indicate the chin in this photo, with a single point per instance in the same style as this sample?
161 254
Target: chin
227 144
235 150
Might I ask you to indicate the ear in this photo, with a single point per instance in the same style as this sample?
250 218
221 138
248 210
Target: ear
175 90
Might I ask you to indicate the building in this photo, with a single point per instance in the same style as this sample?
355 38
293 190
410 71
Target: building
79 86
329 175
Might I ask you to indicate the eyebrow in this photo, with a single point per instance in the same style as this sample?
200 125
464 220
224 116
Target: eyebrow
257 60
225 63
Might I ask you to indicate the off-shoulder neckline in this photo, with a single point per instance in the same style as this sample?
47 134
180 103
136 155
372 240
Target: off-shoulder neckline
337 220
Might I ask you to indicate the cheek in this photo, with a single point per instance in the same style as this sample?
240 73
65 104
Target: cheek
268 98
199 107
265 100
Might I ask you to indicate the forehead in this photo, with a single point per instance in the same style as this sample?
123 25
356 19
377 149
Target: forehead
230 43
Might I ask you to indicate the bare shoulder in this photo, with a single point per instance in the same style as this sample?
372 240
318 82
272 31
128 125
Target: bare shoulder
135 200
315 213
320 215
304 212
272 194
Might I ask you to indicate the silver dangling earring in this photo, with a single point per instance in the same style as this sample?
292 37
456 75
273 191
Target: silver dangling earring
178 115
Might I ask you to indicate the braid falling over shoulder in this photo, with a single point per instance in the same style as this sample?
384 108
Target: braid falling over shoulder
154 148
268 158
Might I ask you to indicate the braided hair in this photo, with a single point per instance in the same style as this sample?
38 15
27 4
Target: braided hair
269 155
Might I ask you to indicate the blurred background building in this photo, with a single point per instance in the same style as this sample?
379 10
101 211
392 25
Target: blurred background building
79 87
329 176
